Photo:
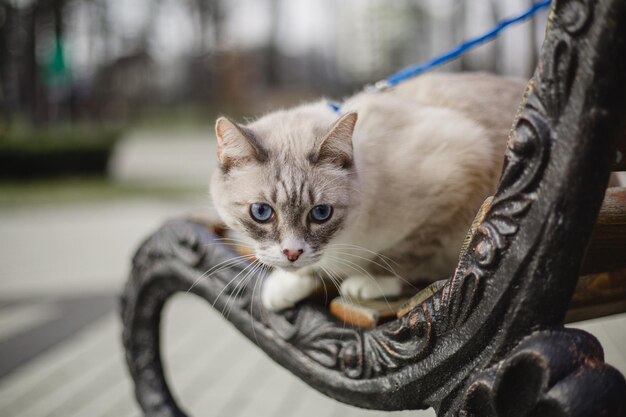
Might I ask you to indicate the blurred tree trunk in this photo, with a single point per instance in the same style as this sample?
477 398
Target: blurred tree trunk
9 59
148 27
30 85
205 60
273 75
206 21
34 93
495 66
460 20
59 90
210 16
57 12
103 25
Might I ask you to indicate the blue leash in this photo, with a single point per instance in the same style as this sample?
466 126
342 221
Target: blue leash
466 46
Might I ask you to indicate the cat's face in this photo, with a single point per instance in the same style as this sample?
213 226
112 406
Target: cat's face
291 197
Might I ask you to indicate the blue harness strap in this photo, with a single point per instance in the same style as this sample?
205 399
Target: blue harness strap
336 107
461 49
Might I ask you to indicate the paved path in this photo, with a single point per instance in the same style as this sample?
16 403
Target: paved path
61 268
165 158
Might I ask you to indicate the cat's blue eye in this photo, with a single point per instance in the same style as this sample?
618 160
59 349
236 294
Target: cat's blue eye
261 212
321 213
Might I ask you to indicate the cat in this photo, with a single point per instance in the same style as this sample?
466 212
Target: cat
375 195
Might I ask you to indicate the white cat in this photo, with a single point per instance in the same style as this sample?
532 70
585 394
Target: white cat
383 190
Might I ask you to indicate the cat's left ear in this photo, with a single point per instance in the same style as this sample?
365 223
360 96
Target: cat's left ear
336 146
236 144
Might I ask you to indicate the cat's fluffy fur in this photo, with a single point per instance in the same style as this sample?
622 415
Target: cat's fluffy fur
405 171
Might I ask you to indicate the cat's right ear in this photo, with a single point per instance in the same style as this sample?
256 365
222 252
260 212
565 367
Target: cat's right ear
236 144
336 146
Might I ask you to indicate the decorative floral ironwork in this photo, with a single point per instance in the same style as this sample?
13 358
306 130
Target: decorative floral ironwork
550 373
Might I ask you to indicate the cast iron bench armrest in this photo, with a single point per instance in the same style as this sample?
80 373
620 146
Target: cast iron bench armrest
491 341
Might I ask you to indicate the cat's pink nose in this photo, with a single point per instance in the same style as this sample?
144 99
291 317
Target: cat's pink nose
292 255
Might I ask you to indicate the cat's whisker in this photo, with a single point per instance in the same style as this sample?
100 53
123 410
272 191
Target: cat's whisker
230 240
379 255
390 270
259 282
243 282
230 282
254 287
365 273
252 274
321 278
223 242
244 251
214 267
330 276
385 267
229 245
353 265
335 281
239 287
232 296
213 270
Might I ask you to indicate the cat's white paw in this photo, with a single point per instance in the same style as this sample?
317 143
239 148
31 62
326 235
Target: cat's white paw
282 289
367 288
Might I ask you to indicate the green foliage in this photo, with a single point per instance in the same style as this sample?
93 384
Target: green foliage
28 139
71 190
26 152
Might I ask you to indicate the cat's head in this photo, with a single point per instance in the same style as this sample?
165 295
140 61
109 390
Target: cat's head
287 182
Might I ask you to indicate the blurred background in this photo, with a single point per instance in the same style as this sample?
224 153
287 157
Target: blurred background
106 130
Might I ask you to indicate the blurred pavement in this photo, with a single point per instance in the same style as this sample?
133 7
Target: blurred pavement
61 268
165 158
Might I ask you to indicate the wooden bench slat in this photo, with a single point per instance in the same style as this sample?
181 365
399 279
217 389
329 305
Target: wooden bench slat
607 248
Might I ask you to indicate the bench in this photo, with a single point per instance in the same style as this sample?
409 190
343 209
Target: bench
489 341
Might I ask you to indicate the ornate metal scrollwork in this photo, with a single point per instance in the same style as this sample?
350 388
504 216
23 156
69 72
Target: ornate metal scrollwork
562 374
491 341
